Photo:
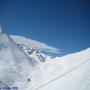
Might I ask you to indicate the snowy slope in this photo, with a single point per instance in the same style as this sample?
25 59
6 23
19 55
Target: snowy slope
15 66
34 49
29 69
67 73
73 79
70 72
34 44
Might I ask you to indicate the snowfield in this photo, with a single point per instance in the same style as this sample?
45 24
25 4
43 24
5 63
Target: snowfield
70 72
29 69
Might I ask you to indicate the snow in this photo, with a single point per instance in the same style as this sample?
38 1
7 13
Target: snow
18 68
34 44
78 79
15 66
65 72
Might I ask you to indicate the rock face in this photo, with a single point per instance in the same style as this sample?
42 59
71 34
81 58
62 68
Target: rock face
15 66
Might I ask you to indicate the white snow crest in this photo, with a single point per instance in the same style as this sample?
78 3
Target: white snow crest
34 44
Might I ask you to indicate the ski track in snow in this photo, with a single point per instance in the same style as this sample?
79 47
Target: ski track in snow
60 76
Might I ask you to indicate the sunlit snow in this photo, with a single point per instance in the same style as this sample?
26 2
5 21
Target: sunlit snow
27 72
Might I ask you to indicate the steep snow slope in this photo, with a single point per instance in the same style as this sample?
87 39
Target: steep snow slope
15 66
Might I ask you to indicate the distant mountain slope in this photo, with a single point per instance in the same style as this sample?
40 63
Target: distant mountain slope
34 44
34 51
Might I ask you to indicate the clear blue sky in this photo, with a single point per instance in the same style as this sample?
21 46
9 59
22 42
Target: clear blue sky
62 24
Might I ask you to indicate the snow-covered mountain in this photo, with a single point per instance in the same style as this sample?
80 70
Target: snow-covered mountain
34 44
24 65
34 51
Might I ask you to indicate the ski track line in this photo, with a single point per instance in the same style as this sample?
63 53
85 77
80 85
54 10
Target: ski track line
60 76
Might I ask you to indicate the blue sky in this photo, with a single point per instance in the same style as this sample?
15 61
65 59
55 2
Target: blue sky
63 24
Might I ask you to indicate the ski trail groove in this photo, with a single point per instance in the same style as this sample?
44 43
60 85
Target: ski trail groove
60 76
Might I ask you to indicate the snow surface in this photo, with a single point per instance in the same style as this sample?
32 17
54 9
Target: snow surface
70 72
18 68
34 44
64 73
15 66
